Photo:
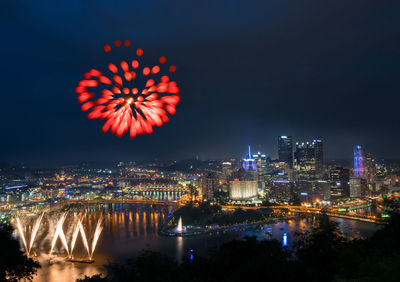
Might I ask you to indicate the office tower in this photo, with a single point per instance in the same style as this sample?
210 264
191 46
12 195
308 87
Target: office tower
208 184
339 178
243 190
355 187
261 166
309 160
319 158
249 163
226 170
358 159
321 190
285 150
370 171
305 161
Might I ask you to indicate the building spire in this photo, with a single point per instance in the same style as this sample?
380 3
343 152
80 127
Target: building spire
249 153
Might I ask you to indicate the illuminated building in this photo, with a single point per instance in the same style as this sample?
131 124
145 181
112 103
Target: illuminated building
358 159
281 190
355 187
305 161
285 150
226 170
321 190
319 158
370 171
208 184
339 178
261 165
243 190
309 160
249 164
312 190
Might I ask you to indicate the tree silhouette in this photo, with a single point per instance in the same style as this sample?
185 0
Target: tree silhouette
14 265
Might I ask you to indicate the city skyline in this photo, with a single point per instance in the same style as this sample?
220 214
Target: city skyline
193 141
248 75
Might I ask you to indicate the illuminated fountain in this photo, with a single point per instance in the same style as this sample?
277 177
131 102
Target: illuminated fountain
179 228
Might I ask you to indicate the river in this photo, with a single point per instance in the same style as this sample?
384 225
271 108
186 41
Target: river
130 228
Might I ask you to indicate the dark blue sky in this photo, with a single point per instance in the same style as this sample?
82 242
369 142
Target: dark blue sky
248 72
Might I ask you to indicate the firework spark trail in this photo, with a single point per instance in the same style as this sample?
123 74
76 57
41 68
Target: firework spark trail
75 235
97 233
59 232
35 230
85 242
64 240
21 232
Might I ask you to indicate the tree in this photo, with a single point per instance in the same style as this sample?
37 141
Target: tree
14 264
221 197
148 266
317 250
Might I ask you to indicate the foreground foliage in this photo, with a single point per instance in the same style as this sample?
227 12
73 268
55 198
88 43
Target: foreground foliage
14 265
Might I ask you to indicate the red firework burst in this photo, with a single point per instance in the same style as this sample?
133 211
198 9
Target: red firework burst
124 105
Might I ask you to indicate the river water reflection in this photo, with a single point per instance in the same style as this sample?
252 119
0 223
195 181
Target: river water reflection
130 228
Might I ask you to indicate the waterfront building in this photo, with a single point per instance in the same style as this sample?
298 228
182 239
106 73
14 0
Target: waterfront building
243 190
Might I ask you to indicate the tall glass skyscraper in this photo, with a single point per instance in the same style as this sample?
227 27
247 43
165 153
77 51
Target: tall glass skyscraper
305 161
358 158
309 160
285 150
261 164
319 158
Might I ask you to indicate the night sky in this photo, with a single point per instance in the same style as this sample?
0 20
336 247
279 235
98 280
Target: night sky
248 72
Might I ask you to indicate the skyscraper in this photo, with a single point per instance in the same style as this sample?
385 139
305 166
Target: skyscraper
309 160
305 161
319 158
285 150
358 159
339 178
261 165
